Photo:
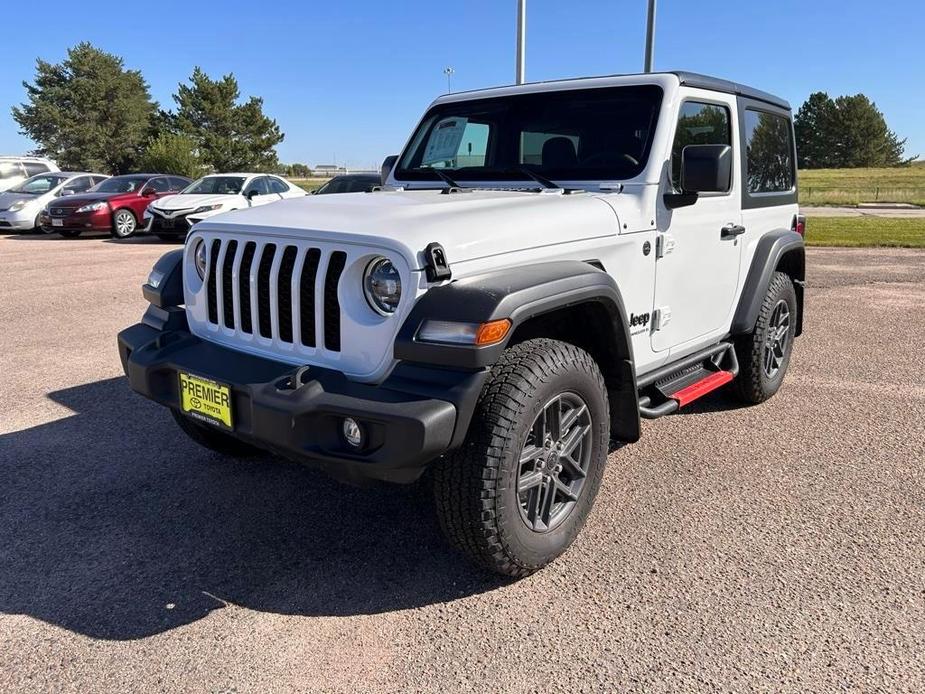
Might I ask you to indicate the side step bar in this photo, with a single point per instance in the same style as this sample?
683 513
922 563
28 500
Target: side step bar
681 382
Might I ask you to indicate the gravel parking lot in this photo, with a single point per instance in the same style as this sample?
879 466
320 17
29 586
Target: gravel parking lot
777 548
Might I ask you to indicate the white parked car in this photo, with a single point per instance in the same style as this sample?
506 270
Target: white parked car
21 206
173 215
15 169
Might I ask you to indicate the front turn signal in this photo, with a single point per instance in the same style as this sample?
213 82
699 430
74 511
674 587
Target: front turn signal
492 332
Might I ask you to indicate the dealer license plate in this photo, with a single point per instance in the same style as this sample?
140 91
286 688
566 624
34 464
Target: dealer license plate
57 222
206 400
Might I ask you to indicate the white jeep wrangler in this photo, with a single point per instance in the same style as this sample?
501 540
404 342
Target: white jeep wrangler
542 266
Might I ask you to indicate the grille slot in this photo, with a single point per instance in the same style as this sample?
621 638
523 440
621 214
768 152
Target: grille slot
264 319
244 286
307 296
284 289
331 303
227 285
213 294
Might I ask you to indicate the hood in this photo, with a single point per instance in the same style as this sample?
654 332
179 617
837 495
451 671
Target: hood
74 201
191 202
469 225
7 199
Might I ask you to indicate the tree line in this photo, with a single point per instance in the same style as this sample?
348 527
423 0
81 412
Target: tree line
90 113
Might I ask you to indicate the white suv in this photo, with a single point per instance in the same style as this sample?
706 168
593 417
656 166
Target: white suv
16 169
544 265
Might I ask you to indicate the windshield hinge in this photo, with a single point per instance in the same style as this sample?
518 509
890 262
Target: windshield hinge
436 266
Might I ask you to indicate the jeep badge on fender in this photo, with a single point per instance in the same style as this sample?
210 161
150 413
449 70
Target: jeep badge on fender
486 313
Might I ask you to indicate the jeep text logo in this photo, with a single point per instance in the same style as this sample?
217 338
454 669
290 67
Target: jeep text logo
641 319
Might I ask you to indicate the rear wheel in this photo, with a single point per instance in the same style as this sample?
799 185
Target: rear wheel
124 224
520 488
213 439
764 356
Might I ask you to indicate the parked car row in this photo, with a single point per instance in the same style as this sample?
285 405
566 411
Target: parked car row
70 203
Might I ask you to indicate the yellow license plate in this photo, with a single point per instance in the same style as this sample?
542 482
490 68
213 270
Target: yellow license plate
206 400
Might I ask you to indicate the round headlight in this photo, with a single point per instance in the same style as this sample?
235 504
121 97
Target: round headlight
199 257
382 286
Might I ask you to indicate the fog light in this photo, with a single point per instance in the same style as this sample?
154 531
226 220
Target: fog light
353 434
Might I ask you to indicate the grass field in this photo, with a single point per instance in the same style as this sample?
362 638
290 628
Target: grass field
853 186
309 184
857 232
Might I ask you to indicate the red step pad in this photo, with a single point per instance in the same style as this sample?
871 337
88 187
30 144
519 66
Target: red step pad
700 388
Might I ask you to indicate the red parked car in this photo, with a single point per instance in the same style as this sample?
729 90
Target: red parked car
116 205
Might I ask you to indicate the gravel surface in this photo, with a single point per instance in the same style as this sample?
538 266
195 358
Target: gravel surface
776 548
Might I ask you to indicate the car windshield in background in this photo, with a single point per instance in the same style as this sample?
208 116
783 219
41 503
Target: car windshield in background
38 185
216 185
570 135
349 184
120 184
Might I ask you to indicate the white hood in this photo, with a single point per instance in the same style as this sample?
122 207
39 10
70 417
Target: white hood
172 203
468 224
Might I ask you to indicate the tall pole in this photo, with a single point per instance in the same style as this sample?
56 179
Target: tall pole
521 68
650 36
448 71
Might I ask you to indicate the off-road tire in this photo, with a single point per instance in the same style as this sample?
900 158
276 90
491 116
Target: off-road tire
213 439
754 384
68 233
476 486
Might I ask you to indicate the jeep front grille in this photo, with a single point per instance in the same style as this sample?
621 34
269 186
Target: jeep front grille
268 286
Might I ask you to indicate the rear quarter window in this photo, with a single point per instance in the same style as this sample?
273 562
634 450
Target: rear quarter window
768 153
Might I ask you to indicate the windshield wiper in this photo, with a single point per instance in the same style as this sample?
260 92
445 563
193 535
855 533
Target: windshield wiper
542 180
446 179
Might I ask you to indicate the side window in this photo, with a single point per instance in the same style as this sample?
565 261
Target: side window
768 153
698 124
259 184
96 179
34 168
10 169
158 185
278 186
178 183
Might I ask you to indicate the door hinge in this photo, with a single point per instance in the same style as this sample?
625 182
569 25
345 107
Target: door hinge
661 317
664 244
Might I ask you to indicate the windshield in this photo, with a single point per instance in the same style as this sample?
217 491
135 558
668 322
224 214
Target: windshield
39 185
120 184
348 184
571 135
216 185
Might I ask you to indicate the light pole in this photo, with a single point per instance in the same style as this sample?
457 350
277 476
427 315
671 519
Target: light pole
448 71
650 36
521 65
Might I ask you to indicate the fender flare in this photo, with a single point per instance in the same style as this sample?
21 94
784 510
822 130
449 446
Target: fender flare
521 294
771 249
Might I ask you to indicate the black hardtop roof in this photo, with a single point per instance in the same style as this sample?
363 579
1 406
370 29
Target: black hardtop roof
698 81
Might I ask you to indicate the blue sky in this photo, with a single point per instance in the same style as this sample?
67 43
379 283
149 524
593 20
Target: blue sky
350 79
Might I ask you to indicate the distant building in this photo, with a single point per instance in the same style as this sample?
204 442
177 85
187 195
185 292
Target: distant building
321 170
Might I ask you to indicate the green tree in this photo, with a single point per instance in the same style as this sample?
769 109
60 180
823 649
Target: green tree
846 132
172 153
298 171
88 112
229 135
815 126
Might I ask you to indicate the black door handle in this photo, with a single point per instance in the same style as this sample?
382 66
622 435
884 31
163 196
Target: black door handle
731 231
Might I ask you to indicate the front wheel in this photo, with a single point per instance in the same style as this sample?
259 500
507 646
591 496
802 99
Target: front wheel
124 224
764 356
520 488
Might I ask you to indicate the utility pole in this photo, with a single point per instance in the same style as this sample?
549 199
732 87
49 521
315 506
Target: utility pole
650 36
521 65
448 71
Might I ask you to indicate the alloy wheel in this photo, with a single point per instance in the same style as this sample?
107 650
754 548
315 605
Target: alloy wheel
554 462
125 223
778 336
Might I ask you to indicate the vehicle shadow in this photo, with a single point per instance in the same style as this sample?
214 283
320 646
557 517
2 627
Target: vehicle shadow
114 526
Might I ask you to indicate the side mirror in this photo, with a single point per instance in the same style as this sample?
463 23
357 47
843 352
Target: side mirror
251 194
387 165
66 191
148 192
706 169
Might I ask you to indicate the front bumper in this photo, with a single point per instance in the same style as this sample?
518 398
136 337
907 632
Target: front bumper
414 416
100 220
155 224
21 220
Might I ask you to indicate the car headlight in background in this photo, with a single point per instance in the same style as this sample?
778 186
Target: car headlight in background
382 286
206 208
199 257
18 205
92 207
